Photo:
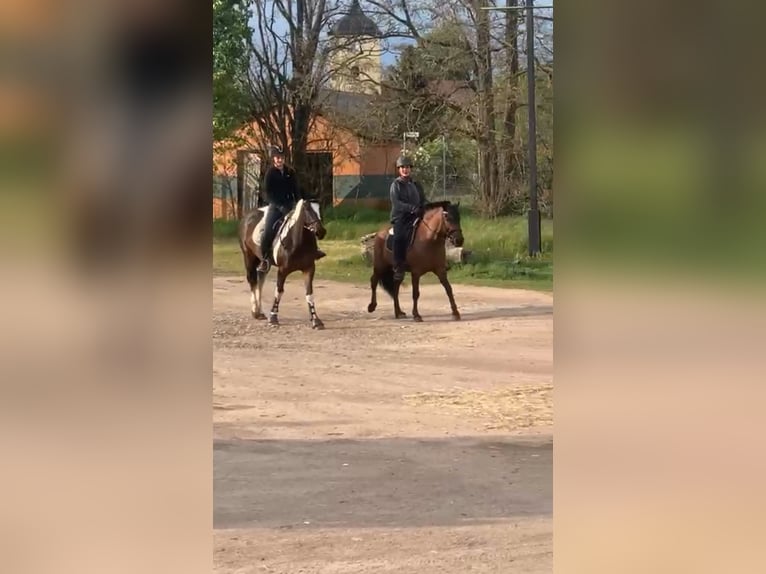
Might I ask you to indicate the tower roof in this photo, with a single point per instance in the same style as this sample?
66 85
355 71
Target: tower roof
355 23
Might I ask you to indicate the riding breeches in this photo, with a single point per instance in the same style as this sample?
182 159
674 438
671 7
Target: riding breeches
402 229
270 230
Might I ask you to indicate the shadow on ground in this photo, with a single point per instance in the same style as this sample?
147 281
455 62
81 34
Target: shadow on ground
396 482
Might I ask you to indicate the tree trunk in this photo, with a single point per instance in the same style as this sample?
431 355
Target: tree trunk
508 145
487 143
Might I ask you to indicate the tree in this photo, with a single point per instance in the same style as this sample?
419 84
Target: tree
488 42
290 63
446 166
419 92
446 53
231 34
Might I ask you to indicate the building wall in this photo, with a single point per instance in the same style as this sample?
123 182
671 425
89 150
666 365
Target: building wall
224 208
361 174
370 183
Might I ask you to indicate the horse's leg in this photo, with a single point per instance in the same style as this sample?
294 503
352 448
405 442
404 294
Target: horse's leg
308 279
415 295
258 296
254 280
273 316
373 287
442 275
398 313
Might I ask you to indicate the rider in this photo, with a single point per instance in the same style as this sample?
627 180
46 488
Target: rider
407 201
280 192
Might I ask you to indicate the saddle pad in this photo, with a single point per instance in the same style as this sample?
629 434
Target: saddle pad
258 230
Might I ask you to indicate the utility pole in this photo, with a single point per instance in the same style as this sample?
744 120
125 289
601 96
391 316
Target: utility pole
533 216
533 222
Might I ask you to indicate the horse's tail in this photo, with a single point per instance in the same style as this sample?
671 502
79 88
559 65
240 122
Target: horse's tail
387 281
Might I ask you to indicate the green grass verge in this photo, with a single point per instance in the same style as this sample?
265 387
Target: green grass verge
498 248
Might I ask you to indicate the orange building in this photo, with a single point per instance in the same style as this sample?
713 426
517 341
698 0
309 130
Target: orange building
343 168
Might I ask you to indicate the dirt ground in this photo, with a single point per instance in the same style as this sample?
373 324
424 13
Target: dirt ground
383 445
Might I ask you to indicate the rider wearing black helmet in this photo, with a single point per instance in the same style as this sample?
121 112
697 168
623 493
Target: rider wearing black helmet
280 192
407 201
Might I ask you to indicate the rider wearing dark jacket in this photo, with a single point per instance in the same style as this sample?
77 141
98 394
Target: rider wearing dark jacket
280 190
407 201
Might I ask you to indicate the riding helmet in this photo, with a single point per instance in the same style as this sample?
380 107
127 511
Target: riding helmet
403 161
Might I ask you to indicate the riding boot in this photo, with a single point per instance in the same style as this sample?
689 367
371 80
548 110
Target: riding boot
266 262
400 250
267 241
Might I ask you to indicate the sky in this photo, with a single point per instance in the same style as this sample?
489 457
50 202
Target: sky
389 57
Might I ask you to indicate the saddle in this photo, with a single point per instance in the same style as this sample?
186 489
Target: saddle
410 236
260 228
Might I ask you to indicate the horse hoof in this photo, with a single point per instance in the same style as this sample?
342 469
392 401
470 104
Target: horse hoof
318 325
371 307
456 316
417 318
259 316
273 321
401 315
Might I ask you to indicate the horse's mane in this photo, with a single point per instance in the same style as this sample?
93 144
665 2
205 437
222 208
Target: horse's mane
296 232
437 205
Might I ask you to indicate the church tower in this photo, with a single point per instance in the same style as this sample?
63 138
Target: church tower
356 57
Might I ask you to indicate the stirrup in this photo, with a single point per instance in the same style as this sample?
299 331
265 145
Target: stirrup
264 266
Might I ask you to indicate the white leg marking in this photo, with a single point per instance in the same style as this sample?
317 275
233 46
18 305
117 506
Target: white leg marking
310 299
253 304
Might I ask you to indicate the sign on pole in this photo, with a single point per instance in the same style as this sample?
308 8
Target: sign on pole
412 135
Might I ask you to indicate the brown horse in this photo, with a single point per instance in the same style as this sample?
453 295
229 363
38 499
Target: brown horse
426 253
295 249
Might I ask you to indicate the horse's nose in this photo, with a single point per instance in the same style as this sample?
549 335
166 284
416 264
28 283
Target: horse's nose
321 232
458 239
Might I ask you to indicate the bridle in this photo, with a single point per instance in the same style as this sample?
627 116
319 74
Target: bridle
313 225
449 233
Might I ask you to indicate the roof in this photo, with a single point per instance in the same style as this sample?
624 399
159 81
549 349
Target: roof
344 102
351 111
355 23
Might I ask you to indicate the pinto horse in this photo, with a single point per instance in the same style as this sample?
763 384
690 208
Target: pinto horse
294 249
426 253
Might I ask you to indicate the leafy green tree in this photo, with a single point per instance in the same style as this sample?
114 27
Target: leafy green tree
231 34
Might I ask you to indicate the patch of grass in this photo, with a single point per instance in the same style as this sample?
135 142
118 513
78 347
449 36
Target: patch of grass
344 262
223 228
499 250
227 258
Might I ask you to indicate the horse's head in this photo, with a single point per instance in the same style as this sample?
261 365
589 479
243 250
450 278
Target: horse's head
452 222
448 215
312 218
